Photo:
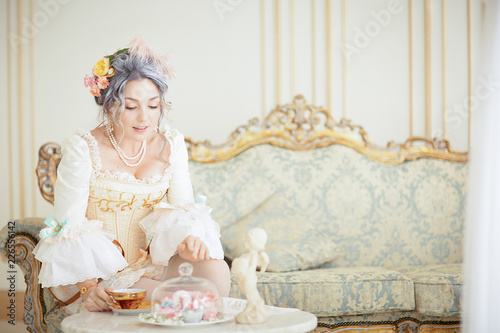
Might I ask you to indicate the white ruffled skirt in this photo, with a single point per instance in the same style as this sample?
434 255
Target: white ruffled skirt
165 228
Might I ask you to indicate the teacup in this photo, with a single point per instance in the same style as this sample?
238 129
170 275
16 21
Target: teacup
129 299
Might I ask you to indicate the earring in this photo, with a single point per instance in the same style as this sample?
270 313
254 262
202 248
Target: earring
109 126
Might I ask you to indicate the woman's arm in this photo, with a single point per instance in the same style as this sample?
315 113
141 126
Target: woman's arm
81 251
180 190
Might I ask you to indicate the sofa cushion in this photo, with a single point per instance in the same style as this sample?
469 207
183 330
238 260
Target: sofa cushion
231 190
336 291
437 288
293 242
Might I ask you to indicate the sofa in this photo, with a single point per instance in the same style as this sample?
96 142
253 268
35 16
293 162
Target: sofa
368 238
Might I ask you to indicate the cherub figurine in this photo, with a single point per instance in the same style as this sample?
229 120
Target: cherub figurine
244 268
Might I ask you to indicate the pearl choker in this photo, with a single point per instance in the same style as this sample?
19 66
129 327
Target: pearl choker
123 157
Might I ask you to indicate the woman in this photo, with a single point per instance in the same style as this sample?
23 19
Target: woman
112 230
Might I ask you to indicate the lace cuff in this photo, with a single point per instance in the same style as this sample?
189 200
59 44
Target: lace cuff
77 255
169 225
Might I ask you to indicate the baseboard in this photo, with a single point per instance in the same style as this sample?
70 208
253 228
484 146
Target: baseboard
17 309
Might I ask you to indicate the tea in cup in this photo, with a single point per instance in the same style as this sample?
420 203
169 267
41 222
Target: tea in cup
129 299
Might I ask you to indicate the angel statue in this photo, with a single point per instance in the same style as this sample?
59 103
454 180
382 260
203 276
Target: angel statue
244 267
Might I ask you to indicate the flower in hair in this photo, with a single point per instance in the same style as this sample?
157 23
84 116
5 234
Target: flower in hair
102 67
101 71
102 82
88 81
95 91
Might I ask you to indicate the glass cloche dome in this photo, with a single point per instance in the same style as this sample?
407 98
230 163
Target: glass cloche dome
185 300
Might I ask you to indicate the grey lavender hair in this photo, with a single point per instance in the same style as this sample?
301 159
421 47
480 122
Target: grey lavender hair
129 67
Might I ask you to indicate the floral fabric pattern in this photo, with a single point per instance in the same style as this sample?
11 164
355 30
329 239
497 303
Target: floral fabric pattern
437 288
378 214
55 314
336 291
292 244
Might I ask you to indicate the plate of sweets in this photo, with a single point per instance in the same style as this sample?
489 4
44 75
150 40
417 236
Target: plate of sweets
185 301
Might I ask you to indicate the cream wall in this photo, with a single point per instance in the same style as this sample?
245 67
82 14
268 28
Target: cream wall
404 65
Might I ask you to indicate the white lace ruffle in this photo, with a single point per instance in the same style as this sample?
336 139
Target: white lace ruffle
93 151
127 177
116 175
169 225
124 186
75 259
124 281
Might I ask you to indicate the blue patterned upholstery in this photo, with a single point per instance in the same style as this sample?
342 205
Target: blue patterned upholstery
336 291
437 288
292 244
380 216
29 226
54 315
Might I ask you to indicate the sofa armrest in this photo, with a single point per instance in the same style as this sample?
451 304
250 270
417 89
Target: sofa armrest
17 240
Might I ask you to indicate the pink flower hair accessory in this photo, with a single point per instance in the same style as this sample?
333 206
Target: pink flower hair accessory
101 72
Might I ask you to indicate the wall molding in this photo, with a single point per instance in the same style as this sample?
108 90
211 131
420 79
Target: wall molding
410 64
444 67
9 110
428 69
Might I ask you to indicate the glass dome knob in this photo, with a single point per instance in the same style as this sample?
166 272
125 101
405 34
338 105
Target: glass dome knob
185 269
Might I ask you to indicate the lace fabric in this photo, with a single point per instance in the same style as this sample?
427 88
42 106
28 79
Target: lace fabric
117 175
69 261
167 227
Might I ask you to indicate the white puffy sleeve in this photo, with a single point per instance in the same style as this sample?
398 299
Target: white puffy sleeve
180 190
81 251
172 222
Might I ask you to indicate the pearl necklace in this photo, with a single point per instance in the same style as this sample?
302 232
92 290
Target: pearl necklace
123 157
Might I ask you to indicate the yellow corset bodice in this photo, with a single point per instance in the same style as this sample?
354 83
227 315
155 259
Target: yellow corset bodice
121 202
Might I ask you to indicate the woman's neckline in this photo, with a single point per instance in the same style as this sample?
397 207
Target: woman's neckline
123 175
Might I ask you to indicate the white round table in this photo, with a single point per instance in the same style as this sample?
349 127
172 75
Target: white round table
279 320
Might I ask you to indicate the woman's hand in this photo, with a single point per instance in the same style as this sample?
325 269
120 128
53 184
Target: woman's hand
97 298
193 249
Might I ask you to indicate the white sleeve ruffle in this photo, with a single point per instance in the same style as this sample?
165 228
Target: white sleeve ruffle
169 225
82 251
90 254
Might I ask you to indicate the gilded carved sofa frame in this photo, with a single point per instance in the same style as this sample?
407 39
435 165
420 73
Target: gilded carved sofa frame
296 126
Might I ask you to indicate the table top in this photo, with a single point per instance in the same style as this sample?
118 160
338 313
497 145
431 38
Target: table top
279 320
